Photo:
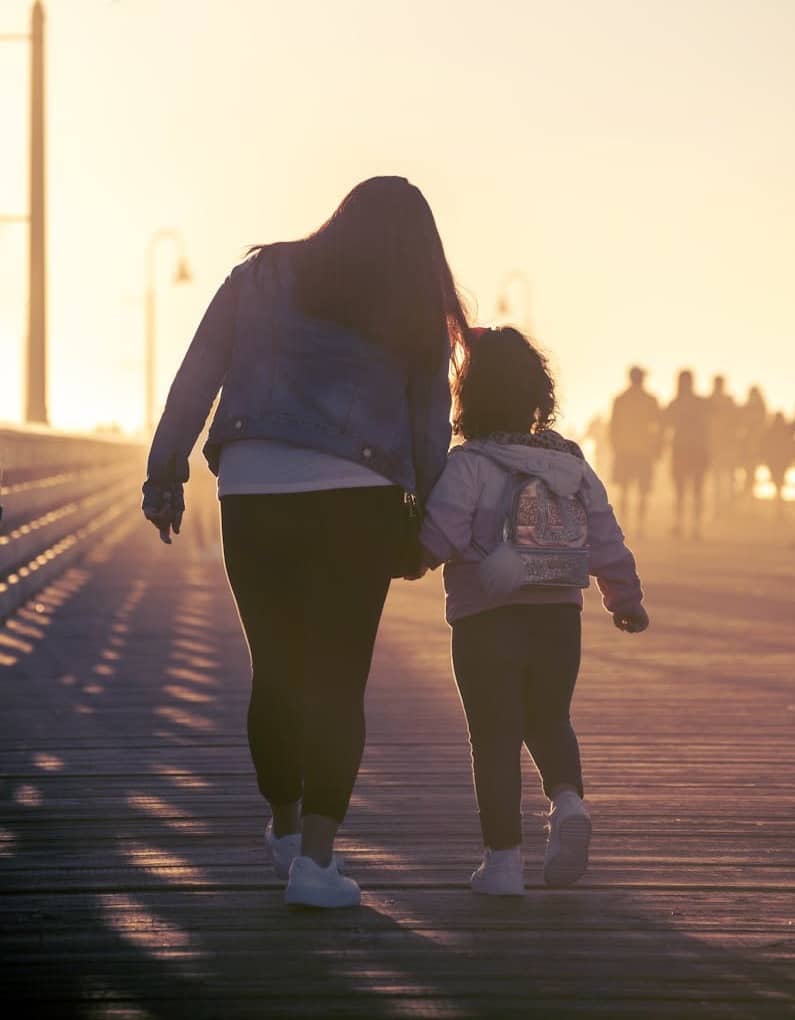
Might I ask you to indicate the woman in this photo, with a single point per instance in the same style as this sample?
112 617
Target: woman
333 354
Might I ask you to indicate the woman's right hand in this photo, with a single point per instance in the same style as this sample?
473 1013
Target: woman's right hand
164 509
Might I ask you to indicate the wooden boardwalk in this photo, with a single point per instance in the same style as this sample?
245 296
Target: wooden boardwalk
131 853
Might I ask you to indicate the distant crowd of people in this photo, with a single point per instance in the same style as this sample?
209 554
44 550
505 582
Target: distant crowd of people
707 437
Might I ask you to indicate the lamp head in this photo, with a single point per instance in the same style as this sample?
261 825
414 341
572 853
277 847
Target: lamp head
183 273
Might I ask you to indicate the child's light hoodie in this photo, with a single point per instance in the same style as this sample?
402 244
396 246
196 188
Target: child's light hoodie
463 521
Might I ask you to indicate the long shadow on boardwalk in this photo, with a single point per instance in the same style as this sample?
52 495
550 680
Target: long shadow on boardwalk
132 866
237 954
169 949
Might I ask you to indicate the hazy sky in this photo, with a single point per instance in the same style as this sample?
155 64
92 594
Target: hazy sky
635 158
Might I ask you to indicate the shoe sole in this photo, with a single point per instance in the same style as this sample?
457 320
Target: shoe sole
499 885
570 862
313 903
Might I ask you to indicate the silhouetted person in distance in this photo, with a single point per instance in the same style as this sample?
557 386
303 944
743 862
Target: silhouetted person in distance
723 434
597 430
751 430
635 435
687 422
778 453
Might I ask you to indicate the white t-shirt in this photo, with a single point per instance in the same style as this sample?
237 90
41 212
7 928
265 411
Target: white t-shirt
251 466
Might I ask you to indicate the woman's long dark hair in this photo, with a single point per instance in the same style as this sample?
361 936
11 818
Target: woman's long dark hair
378 267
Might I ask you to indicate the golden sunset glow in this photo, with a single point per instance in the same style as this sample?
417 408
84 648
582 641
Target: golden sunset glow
632 160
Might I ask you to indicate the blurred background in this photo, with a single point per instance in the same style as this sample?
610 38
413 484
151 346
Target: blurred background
616 177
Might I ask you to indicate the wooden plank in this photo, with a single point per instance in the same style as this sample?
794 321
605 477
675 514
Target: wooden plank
131 837
602 909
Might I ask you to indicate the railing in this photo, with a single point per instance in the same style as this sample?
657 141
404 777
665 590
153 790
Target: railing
57 491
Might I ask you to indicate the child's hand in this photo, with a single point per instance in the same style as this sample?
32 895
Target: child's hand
633 621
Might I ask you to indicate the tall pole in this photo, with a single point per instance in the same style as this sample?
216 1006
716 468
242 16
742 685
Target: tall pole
36 395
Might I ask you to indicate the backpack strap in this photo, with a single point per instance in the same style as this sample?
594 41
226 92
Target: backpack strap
506 501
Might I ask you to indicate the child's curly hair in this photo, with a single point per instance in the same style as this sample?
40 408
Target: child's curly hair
503 385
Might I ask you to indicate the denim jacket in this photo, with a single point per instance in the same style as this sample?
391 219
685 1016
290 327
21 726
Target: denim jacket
311 382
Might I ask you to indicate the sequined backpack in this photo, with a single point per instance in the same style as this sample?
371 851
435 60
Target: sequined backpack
543 541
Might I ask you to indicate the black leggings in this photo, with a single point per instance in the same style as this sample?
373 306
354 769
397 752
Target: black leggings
310 573
516 668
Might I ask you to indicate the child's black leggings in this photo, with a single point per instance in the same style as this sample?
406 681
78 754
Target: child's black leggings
310 573
516 667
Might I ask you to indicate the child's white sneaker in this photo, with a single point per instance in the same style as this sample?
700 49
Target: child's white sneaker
283 850
500 873
566 856
312 886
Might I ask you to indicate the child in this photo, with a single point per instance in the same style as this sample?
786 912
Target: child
516 645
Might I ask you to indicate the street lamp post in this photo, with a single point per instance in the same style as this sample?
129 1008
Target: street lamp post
182 274
36 377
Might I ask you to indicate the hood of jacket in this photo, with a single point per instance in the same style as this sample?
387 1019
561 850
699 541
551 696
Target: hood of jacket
562 471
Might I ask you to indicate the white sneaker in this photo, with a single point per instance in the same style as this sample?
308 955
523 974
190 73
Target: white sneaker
283 850
313 886
566 856
500 873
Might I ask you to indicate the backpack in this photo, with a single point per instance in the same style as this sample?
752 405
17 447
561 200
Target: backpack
543 541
